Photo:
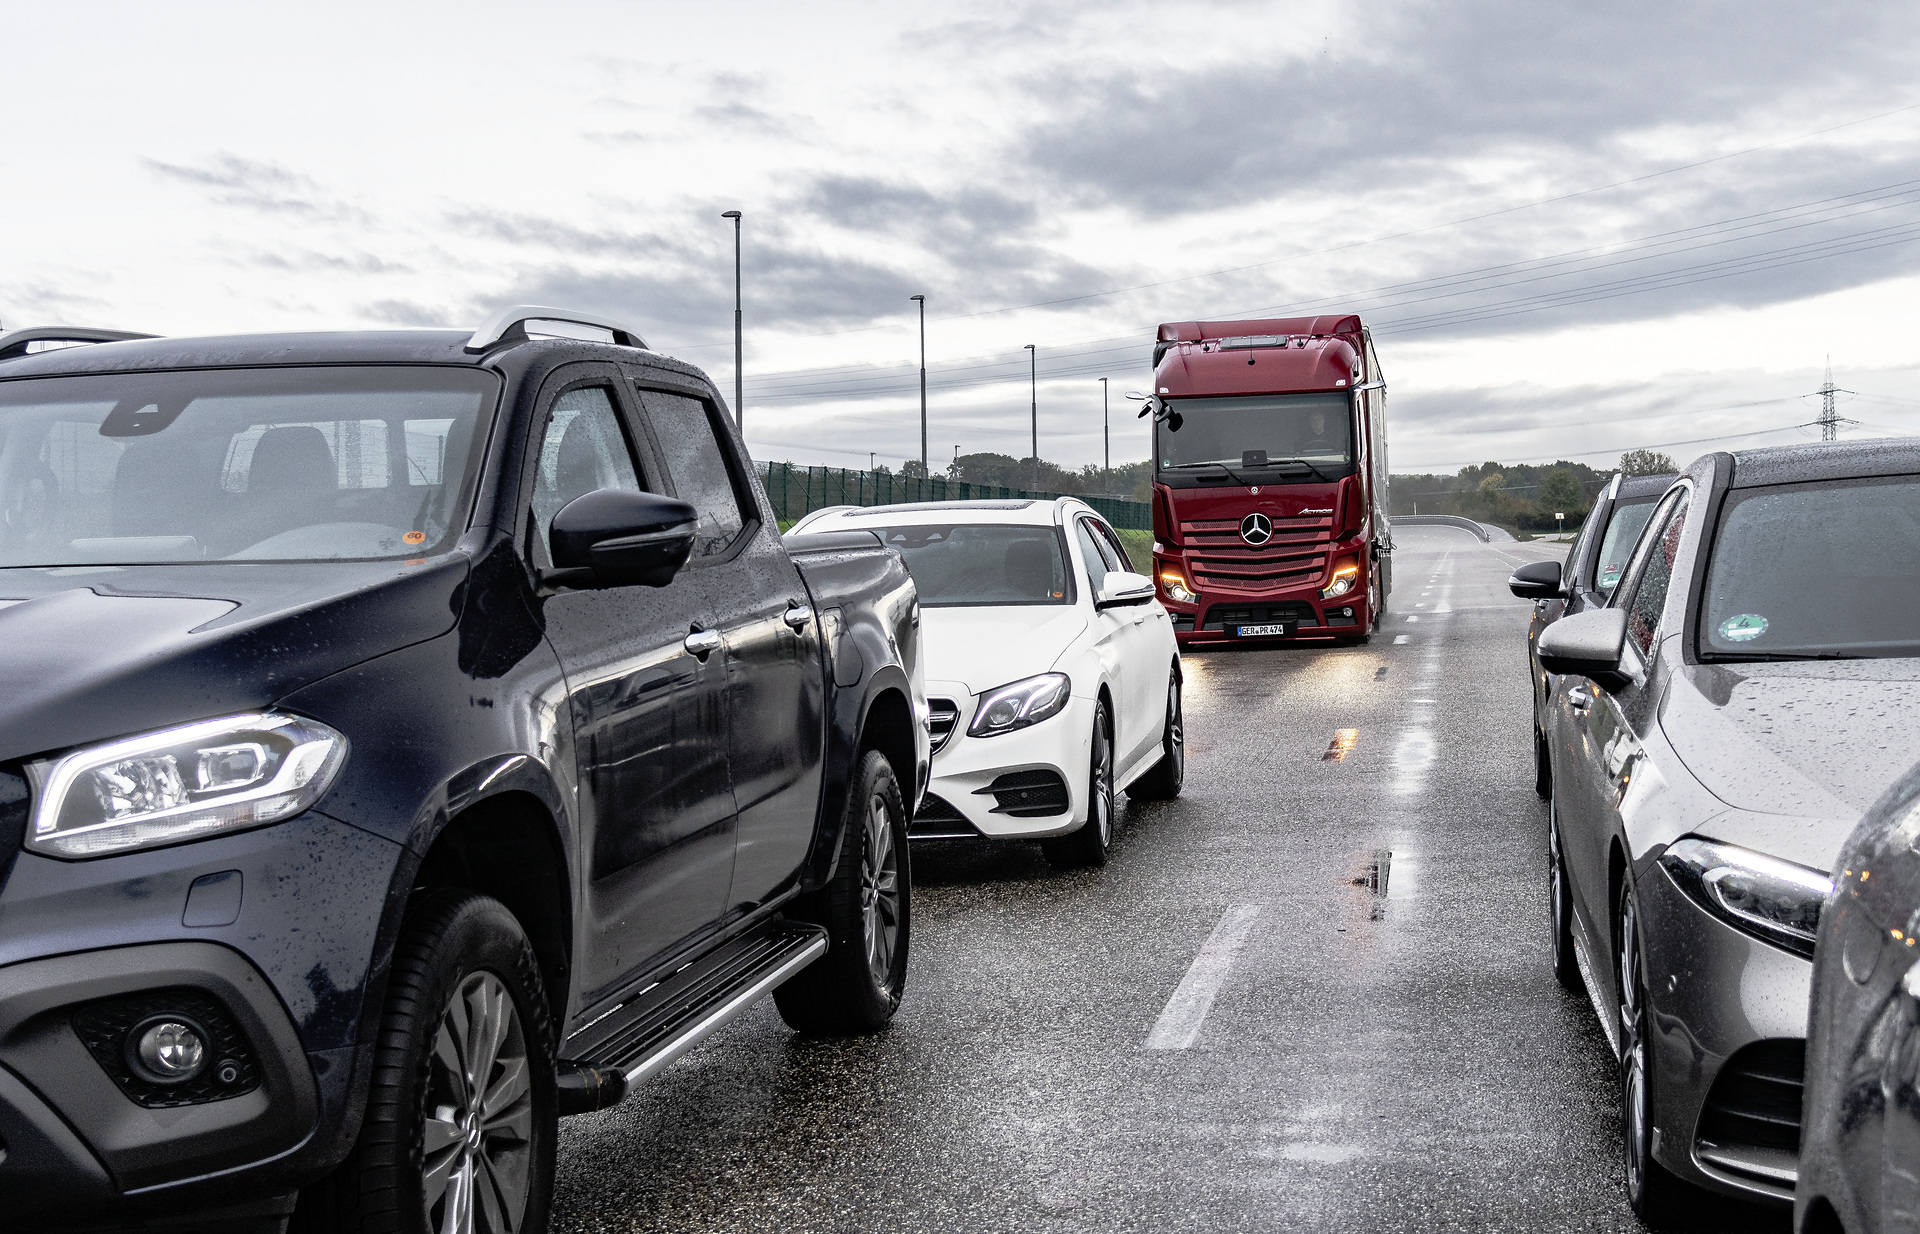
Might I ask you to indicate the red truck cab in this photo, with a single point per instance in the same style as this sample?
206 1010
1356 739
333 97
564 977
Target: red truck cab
1270 479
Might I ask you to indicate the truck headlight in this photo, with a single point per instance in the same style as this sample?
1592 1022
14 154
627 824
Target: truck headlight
1345 571
1176 588
1020 703
180 784
1774 900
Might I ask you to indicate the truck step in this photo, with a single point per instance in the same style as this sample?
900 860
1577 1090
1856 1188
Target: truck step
670 1017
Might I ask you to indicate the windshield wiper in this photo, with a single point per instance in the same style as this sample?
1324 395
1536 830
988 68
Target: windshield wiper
1298 462
1759 656
1237 477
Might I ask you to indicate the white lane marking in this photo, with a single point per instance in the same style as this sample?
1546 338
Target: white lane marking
1399 638
1413 616
1180 1021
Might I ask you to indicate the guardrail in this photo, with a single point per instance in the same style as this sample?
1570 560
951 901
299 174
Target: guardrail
797 491
1442 520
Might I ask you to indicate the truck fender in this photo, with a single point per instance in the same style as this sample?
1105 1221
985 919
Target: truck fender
846 738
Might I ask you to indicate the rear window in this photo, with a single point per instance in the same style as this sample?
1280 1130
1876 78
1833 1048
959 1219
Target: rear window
973 565
1827 570
281 464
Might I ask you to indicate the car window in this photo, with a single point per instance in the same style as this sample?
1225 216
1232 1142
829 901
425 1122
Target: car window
1097 560
1116 552
583 451
684 429
1624 525
980 565
1653 571
1589 531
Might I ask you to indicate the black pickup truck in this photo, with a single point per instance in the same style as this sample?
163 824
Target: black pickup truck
410 738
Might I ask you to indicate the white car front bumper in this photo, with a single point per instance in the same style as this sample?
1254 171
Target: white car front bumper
1054 754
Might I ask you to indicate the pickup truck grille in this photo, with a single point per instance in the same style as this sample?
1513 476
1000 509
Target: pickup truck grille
1221 560
945 714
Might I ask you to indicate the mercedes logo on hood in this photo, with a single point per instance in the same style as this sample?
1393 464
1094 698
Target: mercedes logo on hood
1256 528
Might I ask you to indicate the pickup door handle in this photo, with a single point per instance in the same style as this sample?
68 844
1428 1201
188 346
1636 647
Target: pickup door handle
798 616
700 642
1579 699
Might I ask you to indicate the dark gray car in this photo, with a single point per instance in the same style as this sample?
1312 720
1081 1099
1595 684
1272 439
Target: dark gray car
1592 569
1715 732
1860 1155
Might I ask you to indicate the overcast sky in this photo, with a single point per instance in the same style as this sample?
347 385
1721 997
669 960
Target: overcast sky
1575 229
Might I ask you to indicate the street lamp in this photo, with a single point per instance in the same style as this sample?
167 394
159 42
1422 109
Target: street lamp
1106 442
1033 388
922 301
739 397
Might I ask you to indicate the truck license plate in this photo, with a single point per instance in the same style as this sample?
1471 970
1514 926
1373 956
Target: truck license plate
1267 631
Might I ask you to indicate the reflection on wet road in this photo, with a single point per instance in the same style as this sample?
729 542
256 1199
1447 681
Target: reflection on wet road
1312 994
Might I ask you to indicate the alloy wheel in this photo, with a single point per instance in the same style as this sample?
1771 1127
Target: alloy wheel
1633 1049
880 892
477 1142
1176 728
1102 804
1556 878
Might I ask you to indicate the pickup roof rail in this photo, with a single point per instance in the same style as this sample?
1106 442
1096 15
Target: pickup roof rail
14 342
509 325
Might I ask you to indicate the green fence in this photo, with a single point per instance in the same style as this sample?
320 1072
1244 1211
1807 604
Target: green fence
796 491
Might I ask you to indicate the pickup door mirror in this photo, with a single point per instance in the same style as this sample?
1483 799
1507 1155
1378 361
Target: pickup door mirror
1122 587
1588 644
615 538
1539 581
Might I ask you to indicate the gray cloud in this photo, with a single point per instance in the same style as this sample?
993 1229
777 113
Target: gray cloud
250 184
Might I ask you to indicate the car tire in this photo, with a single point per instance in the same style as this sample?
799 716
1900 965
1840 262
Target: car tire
1655 1195
464 1000
1542 766
867 911
1088 845
1163 781
1566 966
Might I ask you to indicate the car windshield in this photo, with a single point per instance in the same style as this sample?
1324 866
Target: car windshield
1816 570
1628 521
280 464
1248 431
975 564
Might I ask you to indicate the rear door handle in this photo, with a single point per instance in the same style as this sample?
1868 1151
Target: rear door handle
798 616
1579 699
701 642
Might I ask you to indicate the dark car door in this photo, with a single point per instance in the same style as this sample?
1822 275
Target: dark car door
776 686
648 709
1546 612
1604 730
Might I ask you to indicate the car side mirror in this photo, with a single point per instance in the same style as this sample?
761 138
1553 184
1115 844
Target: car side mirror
1539 581
1588 644
1123 587
615 538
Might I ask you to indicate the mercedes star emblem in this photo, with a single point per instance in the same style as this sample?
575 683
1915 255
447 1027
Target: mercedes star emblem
1256 528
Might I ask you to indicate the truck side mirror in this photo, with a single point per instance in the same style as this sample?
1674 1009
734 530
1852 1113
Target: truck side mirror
615 538
1588 644
1123 587
1539 581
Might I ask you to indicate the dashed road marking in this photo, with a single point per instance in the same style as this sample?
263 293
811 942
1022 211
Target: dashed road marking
1342 744
1399 638
1179 1024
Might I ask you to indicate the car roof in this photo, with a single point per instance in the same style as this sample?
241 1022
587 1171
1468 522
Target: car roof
1826 460
1028 512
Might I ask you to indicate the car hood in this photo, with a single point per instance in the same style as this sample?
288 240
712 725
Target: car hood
989 646
1809 745
91 653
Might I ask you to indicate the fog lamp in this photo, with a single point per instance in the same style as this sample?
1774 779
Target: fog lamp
1346 570
167 1050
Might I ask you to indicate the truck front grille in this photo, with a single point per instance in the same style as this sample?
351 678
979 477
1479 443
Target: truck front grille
1221 616
1220 559
943 715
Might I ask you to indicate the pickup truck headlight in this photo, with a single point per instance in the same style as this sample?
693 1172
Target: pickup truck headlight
180 784
1774 900
1346 571
1020 703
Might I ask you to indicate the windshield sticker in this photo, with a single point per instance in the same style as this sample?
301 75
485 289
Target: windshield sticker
1743 627
415 537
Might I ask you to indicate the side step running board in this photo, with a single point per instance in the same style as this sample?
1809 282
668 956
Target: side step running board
674 1015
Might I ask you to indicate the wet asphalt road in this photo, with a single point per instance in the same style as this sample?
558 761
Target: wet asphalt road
1392 1057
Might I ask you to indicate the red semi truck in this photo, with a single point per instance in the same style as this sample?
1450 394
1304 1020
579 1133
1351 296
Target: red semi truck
1270 479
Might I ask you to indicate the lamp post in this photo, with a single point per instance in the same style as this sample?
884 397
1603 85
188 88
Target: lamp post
1033 388
739 386
1106 441
922 301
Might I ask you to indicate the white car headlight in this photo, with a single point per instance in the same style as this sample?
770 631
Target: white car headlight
1020 703
1764 896
180 784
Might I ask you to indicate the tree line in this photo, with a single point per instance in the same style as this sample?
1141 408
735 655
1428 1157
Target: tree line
1520 496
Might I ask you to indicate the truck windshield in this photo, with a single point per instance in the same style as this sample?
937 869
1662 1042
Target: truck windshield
1816 571
270 464
982 564
1245 431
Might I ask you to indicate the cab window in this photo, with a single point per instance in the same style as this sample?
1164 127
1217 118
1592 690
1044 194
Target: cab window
690 448
584 450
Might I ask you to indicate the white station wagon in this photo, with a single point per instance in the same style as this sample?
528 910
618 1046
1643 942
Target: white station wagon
1051 669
